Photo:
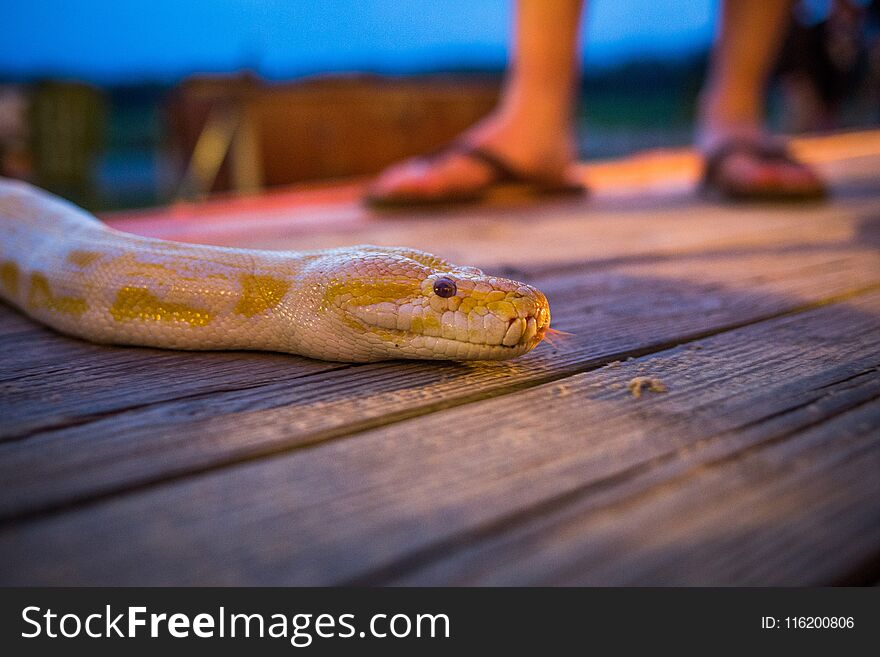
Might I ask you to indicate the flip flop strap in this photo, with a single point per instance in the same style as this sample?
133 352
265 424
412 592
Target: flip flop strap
501 170
763 152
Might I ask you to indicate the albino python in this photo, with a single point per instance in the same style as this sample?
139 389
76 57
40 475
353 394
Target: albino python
66 269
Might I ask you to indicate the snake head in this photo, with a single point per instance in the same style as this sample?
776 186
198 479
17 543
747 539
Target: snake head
386 303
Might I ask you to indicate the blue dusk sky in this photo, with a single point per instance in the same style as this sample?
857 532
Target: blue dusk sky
108 41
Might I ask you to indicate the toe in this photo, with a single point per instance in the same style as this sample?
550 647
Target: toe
749 174
402 179
420 178
799 177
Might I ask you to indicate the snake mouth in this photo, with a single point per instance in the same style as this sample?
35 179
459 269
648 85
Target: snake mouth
464 328
519 334
524 330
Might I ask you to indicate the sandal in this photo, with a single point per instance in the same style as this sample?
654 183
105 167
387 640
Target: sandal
713 182
503 176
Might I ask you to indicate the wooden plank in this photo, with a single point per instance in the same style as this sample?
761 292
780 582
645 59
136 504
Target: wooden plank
107 377
842 158
110 374
47 380
802 511
133 440
542 235
378 505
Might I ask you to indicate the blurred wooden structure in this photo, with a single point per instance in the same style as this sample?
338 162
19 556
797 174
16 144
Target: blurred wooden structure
67 128
242 134
758 465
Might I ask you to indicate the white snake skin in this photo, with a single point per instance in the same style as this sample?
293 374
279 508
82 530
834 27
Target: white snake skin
65 269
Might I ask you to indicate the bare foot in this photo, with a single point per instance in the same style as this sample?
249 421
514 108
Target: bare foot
529 148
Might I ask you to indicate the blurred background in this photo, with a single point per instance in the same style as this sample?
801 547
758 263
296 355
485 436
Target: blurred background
130 104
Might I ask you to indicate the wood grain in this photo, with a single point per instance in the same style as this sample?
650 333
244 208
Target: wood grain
758 466
52 381
789 511
375 506
546 234
122 425
659 184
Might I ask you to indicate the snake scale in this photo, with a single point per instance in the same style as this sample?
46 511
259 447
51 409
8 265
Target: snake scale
64 268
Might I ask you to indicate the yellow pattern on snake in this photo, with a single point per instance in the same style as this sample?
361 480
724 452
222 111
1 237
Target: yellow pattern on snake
66 269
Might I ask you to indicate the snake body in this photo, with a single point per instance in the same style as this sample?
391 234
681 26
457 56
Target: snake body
64 268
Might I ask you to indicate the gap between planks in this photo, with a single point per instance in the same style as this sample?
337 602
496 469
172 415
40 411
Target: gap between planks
39 497
321 542
464 558
45 490
839 232
727 286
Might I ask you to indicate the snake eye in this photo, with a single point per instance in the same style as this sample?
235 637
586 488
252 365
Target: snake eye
445 287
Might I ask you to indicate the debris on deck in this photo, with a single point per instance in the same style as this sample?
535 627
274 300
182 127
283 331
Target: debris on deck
639 383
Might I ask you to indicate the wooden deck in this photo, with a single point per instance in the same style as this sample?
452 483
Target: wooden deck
759 465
